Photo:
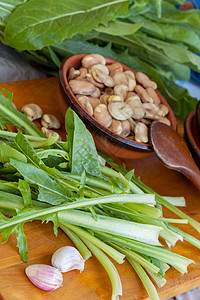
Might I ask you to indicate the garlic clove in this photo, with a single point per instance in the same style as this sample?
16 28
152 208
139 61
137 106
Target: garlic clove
67 258
44 277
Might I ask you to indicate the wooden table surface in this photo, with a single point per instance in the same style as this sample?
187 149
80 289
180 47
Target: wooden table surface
93 283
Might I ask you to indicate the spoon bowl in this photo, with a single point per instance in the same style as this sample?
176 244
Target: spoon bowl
173 151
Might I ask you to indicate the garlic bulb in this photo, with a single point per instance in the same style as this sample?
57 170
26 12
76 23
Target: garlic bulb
67 258
44 277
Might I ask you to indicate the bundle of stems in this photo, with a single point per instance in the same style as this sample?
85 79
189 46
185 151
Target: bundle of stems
105 211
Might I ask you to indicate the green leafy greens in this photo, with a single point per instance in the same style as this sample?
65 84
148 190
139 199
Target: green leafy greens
151 36
107 212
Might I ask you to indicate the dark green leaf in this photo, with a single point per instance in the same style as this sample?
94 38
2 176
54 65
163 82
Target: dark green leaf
6 152
83 154
25 190
26 148
37 176
119 28
45 23
168 32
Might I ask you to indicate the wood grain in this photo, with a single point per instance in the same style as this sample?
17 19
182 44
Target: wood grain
93 283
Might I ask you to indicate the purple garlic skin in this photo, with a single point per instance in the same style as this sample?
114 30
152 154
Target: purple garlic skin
44 277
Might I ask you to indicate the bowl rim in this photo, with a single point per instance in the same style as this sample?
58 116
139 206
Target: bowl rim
63 70
190 133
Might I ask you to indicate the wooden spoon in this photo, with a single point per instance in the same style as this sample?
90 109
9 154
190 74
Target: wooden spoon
172 150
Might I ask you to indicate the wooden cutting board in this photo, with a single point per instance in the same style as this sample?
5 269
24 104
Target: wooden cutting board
93 283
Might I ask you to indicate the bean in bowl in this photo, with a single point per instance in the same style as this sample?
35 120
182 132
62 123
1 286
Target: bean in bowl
123 101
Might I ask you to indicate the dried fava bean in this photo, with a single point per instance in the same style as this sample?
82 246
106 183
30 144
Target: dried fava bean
101 67
83 72
96 93
165 121
104 98
141 133
33 111
137 107
131 94
92 59
115 67
144 80
116 126
151 92
120 110
151 110
114 98
132 124
126 128
84 101
103 78
94 101
119 78
130 76
49 132
91 80
102 115
50 121
164 109
121 90
73 73
81 87
143 94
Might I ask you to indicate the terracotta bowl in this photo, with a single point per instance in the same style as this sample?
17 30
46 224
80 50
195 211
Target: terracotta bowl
192 135
106 141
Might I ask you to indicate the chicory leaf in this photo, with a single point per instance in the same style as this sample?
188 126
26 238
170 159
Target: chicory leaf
45 23
119 28
52 152
15 117
25 190
37 176
17 223
51 140
168 32
9 187
82 150
19 232
27 149
174 52
140 6
6 152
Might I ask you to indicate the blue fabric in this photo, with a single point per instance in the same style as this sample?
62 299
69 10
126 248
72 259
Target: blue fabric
195 75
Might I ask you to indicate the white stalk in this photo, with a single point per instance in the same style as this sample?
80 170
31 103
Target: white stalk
141 232
176 201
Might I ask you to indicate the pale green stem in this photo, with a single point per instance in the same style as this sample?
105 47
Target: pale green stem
86 254
138 258
109 267
150 288
116 255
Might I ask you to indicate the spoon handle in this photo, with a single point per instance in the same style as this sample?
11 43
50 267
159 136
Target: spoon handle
193 175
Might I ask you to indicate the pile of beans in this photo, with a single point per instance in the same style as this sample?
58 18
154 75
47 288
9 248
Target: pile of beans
122 101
